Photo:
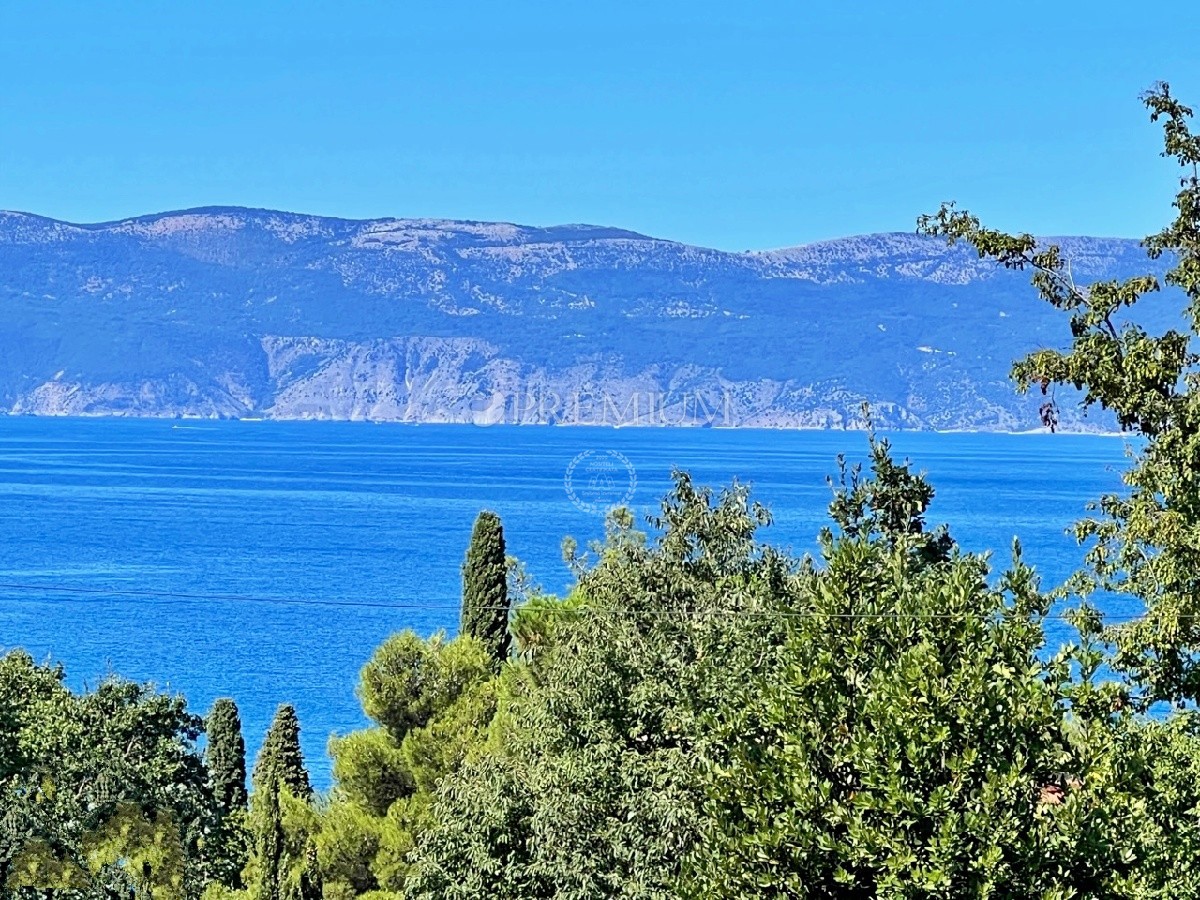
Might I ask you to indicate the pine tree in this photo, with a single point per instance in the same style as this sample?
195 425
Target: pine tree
226 756
485 587
281 753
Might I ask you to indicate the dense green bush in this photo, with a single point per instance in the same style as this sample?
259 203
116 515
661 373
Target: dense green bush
91 783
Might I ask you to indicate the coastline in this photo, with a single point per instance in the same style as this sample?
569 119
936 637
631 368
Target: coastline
855 427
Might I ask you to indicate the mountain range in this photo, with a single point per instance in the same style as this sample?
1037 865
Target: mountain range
241 313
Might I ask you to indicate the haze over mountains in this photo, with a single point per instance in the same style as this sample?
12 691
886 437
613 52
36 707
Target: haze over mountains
227 312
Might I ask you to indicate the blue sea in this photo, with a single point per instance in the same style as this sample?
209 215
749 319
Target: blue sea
266 560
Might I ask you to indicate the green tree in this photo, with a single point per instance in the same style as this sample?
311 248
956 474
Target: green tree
588 786
485 606
266 868
369 770
281 821
433 700
408 680
225 755
707 717
889 506
11 759
896 742
280 753
347 846
147 851
1154 781
1144 543
77 764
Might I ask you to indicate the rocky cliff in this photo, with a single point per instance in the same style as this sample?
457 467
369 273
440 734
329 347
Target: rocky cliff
249 313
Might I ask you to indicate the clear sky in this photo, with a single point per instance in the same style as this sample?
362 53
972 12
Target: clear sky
733 125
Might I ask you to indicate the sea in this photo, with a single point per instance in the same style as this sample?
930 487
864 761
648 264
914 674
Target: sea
264 561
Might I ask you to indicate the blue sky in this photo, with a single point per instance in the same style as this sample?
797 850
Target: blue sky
737 126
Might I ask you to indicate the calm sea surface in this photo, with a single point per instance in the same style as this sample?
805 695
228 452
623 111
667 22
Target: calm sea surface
265 561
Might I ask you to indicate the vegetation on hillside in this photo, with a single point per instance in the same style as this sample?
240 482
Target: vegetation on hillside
705 716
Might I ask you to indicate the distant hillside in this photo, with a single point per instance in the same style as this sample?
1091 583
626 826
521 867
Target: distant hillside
251 313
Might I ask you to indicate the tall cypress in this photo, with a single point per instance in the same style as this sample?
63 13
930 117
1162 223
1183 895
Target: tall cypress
485 587
226 755
267 834
312 884
279 767
281 752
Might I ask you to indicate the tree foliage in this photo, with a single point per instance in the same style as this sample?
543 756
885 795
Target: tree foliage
225 755
101 791
588 788
864 759
714 719
485 605
281 821
408 680
432 699
1144 542
280 756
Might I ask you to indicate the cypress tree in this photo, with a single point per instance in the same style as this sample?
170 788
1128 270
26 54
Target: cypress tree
312 884
281 753
485 588
269 840
226 756
279 767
